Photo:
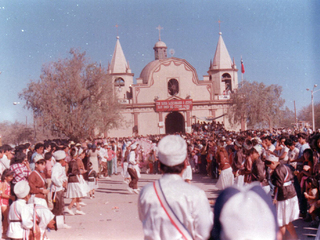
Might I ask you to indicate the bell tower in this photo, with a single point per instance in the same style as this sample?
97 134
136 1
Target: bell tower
223 71
120 74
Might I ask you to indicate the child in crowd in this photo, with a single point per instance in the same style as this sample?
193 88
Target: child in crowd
92 180
312 195
6 178
37 182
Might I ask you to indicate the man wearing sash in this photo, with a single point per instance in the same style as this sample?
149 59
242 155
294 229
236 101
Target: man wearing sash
171 208
20 215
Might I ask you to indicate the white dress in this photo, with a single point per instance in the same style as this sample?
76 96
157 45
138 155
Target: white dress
75 190
226 179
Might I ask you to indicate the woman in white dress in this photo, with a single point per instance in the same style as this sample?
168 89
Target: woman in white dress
74 190
187 173
93 158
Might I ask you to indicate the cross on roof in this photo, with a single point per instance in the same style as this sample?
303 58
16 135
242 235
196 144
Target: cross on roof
219 25
117 29
159 28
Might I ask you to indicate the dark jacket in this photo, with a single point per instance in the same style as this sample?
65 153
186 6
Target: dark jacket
259 172
73 171
278 179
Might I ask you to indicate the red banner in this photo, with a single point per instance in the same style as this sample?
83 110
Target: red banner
173 105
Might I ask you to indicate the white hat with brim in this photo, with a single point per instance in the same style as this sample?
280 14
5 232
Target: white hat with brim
258 148
272 158
38 158
21 189
59 155
172 150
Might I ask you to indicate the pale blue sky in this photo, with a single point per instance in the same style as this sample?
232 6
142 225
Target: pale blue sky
278 40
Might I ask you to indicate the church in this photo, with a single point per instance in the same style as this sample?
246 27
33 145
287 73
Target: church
168 97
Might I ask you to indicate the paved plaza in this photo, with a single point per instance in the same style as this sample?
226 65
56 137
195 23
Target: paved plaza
113 213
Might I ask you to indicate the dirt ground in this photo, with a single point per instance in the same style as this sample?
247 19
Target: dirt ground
113 213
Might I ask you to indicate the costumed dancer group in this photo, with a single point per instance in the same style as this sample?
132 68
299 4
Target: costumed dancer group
256 163
40 205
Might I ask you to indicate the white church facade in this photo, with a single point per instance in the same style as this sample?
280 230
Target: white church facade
168 97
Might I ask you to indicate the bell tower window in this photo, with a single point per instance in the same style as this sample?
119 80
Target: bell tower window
119 82
226 78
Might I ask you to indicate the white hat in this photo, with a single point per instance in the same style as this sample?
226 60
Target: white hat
21 189
172 150
133 146
37 158
238 211
105 144
59 155
80 151
258 148
272 158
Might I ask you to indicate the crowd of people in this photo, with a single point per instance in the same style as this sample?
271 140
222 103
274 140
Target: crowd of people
285 163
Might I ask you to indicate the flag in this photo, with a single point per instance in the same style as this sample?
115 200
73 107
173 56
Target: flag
242 66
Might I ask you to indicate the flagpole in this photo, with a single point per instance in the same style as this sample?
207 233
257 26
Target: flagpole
242 70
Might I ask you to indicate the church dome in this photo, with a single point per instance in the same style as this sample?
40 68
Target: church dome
160 44
145 73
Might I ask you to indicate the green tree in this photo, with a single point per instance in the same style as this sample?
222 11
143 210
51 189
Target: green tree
259 105
73 98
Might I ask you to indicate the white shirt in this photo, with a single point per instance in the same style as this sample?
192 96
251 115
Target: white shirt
5 161
58 176
132 159
283 150
188 202
103 154
270 148
45 216
293 155
19 210
302 148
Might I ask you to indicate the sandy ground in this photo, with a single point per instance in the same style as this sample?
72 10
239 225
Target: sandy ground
113 214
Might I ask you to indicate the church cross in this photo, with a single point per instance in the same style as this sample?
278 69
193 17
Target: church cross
219 25
117 29
159 28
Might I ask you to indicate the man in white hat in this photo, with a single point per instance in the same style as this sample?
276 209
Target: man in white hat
59 182
171 208
20 215
133 169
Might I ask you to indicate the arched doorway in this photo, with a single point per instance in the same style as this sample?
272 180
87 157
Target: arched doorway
174 123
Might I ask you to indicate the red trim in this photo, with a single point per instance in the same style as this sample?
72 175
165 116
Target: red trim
172 221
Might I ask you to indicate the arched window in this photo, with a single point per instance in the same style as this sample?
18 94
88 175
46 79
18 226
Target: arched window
119 82
173 87
226 76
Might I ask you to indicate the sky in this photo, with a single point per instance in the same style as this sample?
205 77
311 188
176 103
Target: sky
278 40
